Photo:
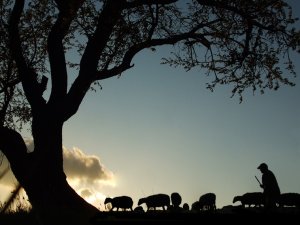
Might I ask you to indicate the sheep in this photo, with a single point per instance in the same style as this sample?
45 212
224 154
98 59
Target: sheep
176 199
207 201
122 202
139 209
186 207
250 198
157 200
289 199
195 206
175 202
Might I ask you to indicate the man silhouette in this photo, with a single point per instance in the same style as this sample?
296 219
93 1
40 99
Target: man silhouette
270 186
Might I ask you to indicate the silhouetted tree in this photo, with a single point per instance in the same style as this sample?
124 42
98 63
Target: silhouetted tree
240 43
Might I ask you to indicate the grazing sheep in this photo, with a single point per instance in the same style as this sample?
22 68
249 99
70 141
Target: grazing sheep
186 207
139 209
175 202
207 201
195 206
176 199
122 202
289 199
158 200
250 198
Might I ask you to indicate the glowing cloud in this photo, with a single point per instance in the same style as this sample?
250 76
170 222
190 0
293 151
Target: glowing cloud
93 197
88 168
79 167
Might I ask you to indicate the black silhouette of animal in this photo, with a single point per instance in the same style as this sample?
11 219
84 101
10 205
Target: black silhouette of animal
195 206
250 199
175 202
176 199
289 199
157 200
120 202
139 209
207 201
186 207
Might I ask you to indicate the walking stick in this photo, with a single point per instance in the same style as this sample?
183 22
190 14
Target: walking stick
258 180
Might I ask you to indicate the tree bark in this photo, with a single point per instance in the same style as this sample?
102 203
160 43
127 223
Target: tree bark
43 178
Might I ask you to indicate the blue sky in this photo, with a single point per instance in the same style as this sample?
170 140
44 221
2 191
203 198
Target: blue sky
157 129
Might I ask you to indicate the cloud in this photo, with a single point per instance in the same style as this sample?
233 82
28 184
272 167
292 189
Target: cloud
79 168
93 196
88 168
86 193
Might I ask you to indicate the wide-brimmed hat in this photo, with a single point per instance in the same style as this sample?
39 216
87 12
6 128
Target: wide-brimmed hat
262 166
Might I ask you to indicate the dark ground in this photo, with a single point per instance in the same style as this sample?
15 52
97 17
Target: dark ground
240 216
233 216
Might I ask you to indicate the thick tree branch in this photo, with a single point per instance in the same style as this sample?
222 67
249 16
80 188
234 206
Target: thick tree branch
28 77
56 52
57 62
126 63
15 150
108 18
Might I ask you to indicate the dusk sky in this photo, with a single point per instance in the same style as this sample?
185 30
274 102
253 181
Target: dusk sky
157 129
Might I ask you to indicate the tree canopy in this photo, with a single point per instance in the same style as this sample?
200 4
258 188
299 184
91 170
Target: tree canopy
242 43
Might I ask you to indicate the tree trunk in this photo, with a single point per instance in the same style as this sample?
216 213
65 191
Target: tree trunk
41 175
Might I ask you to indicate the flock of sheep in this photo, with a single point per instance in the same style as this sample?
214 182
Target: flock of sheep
206 201
256 199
